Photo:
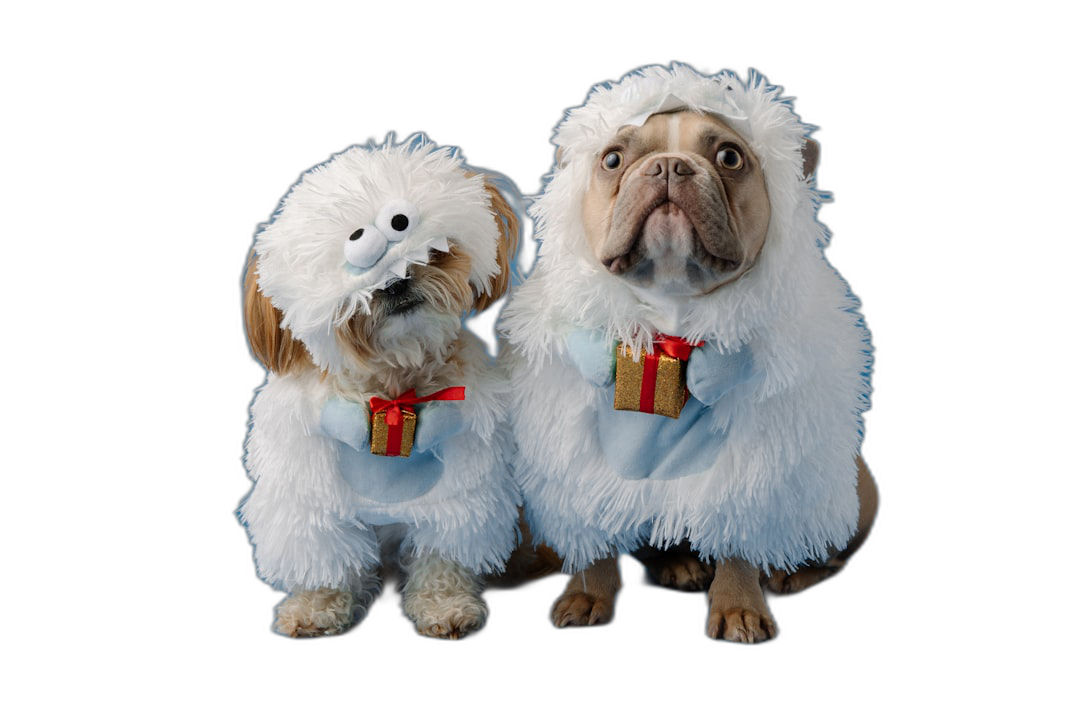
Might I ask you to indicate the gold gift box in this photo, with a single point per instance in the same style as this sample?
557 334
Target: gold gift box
669 393
382 436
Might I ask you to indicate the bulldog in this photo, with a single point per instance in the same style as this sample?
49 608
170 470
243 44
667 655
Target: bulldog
683 207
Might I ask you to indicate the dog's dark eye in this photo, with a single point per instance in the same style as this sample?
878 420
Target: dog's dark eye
729 158
612 160
356 234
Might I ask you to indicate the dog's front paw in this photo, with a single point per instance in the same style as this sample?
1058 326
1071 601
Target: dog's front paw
577 608
743 625
462 618
443 598
322 612
737 608
447 616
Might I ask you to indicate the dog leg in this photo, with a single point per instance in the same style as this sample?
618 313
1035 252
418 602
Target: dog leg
325 611
528 561
589 598
812 573
442 597
677 567
737 608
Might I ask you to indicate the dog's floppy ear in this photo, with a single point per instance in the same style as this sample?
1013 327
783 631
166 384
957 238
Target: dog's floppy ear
273 345
811 151
509 230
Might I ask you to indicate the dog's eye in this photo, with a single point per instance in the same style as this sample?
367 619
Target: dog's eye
365 246
396 219
612 160
729 158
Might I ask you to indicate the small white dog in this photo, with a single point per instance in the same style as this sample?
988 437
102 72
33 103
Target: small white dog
682 216
354 298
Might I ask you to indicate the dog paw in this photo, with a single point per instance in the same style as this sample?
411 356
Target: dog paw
450 617
442 598
742 625
802 578
576 608
681 571
322 612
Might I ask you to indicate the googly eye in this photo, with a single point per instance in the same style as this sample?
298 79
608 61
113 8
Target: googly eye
396 219
365 246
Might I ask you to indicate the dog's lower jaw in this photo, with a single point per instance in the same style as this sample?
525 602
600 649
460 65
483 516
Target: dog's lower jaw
442 598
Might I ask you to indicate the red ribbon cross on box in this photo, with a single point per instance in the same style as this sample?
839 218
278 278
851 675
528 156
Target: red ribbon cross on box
408 401
668 345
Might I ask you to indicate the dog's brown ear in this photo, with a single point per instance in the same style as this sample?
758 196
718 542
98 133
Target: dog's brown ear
811 151
273 345
509 230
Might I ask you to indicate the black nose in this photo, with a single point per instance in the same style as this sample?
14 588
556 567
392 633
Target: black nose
398 287
672 168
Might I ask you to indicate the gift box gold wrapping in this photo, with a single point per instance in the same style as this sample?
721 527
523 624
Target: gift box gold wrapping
670 391
380 433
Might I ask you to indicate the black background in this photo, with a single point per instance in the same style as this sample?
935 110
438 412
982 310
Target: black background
273 120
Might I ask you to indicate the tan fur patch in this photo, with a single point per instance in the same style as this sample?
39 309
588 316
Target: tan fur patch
444 283
509 233
273 345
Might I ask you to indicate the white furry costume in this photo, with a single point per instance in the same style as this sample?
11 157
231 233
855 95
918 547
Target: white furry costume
779 489
310 525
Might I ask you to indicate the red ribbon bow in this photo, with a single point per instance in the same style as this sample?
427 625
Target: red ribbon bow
669 345
676 347
408 401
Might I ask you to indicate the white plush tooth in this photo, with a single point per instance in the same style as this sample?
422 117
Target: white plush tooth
441 244
400 268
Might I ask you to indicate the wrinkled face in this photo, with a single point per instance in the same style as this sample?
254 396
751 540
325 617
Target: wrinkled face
678 205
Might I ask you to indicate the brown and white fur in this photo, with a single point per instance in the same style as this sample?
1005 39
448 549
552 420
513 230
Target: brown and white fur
319 536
